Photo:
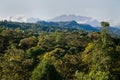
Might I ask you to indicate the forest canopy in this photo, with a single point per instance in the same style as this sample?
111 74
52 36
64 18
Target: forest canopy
55 53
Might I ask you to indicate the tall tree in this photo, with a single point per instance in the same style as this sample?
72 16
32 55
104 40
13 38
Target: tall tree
105 31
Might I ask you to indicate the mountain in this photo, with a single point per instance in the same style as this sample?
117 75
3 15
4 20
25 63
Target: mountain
75 25
53 26
79 19
33 27
68 24
63 18
32 20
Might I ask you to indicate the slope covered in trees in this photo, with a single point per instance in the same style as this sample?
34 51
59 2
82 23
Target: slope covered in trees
58 55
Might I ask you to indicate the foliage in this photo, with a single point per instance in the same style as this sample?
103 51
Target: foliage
45 71
33 52
28 42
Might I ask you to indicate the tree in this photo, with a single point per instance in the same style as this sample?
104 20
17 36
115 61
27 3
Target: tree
14 65
99 61
28 42
45 71
100 54
105 32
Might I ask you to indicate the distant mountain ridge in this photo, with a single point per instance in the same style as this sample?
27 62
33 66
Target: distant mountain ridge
79 19
68 24
75 25
53 26
63 18
63 21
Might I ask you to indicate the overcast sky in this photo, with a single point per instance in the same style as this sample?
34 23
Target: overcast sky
46 9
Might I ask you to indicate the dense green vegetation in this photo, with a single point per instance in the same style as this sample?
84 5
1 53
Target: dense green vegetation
34 27
57 53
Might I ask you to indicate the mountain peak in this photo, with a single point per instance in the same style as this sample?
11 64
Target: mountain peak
72 22
79 19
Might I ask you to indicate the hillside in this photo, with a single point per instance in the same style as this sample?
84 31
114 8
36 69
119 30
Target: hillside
53 26
68 24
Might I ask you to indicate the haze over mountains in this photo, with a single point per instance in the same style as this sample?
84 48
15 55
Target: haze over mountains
64 21
79 19
21 18
64 18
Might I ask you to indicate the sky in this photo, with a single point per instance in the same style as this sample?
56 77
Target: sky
46 9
